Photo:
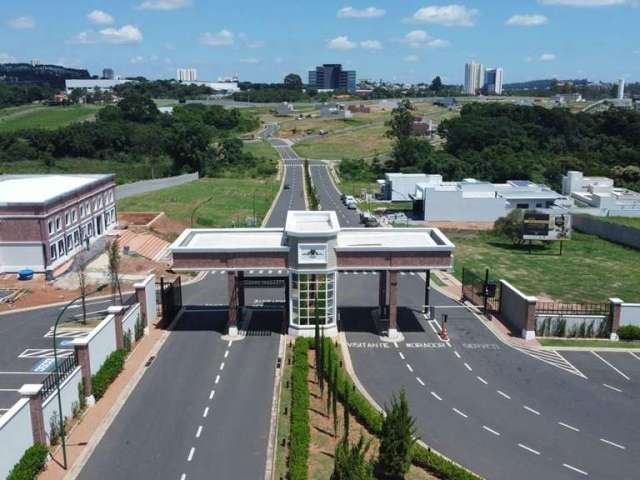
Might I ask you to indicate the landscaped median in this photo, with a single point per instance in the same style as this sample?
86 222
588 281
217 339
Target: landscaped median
333 426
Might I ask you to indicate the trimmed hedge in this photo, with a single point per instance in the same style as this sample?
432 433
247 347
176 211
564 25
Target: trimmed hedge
629 332
372 419
300 424
31 463
108 372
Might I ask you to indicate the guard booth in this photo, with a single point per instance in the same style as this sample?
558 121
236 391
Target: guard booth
310 251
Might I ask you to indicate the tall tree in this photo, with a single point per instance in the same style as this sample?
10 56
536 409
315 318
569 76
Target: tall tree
351 461
346 407
397 439
293 82
334 398
400 127
113 255
436 84
82 283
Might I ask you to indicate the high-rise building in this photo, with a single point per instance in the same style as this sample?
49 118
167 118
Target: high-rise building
35 62
186 74
330 76
493 79
107 74
621 89
473 78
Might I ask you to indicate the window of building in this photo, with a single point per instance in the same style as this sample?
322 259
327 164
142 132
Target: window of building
69 243
538 205
67 219
50 227
61 248
76 238
81 211
313 297
110 196
58 223
90 230
522 205
88 206
53 253
74 215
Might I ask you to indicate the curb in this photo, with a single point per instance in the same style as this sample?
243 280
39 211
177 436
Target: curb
272 446
283 170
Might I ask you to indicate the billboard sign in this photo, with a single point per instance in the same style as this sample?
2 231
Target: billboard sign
546 225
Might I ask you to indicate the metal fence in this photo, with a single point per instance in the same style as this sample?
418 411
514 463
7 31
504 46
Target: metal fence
65 367
481 290
170 299
552 308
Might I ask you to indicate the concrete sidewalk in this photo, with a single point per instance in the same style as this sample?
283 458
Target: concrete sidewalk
87 432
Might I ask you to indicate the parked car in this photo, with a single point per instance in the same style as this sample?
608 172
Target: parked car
352 205
286 186
348 199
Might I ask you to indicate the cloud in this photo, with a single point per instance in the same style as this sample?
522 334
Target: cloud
411 59
127 34
547 57
164 4
223 38
369 12
100 17
371 45
22 23
136 60
251 60
447 15
6 58
586 3
421 39
250 43
527 21
341 43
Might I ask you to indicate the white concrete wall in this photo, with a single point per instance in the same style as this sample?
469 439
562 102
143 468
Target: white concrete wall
16 256
69 397
102 342
15 435
451 206
149 285
630 314
514 309
130 319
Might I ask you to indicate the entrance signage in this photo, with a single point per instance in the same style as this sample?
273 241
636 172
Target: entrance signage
312 253
539 225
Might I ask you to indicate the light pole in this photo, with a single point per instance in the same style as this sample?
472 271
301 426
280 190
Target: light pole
55 359
197 207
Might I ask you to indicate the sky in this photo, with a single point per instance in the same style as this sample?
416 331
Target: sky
395 40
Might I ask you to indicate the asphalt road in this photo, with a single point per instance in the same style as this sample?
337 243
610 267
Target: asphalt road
329 197
144 186
502 412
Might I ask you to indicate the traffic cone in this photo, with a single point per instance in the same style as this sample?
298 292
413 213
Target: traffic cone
443 332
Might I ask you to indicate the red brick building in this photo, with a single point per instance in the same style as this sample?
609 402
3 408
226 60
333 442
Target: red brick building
46 219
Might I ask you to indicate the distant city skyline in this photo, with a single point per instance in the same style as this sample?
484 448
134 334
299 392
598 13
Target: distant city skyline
410 41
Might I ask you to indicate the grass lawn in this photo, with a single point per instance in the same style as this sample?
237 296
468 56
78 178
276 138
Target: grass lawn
262 149
125 171
232 201
589 343
365 142
354 187
590 270
628 221
45 117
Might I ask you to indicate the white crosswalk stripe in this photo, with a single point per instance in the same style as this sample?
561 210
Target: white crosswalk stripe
551 357
66 334
45 353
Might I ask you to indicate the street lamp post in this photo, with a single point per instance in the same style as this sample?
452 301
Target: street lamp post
55 359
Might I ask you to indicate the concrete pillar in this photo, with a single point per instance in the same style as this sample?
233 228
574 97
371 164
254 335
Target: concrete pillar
427 285
118 313
287 304
233 304
241 290
32 392
393 304
615 311
81 346
529 332
141 298
382 293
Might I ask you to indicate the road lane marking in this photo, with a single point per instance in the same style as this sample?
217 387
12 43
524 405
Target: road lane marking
217 379
500 392
199 431
409 367
468 367
612 388
570 467
490 430
191 452
482 380
623 375
213 392
226 354
456 354
634 355
420 381
613 444
535 412
460 413
222 366
229 344
432 327
183 476
206 412
436 396
565 425
529 449
401 355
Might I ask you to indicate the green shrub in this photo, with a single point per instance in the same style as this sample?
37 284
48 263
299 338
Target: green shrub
629 332
126 341
138 329
435 463
110 369
31 463
300 425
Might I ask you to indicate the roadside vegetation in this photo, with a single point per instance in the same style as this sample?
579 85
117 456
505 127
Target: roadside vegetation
218 202
45 117
627 221
590 269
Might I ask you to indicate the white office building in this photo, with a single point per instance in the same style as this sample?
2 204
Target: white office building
186 74
473 78
472 200
93 85
621 89
493 80
599 196
400 187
